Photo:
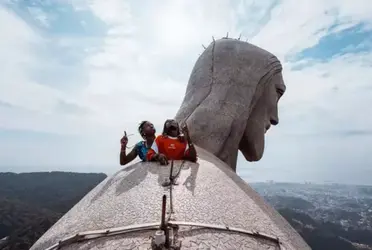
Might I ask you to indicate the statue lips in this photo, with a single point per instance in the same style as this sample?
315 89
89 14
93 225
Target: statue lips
267 127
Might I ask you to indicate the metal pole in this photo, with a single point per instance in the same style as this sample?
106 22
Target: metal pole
163 211
171 179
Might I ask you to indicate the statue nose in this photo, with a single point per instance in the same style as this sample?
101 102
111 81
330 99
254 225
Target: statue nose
274 121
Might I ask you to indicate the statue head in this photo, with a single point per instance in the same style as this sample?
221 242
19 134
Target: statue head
231 99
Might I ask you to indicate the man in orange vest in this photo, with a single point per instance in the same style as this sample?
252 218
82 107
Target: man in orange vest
172 145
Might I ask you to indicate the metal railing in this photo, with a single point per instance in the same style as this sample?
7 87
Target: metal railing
88 235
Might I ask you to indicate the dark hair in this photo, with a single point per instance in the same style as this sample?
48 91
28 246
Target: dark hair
164 127
140 127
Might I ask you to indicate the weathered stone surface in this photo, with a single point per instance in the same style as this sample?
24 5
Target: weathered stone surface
207 192
231 99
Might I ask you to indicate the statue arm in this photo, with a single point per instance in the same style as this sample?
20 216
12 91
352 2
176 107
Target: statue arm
126 158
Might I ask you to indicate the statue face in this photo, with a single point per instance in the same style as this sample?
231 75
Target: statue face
263 115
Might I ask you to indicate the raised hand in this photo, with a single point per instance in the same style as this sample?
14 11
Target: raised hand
124 140
181 137
185 131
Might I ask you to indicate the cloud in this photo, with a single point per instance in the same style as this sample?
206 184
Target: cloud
87 70
354 39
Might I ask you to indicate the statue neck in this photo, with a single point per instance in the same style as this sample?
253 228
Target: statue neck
216 132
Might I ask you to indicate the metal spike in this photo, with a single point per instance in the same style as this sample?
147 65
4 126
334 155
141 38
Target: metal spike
240 36
213 38
227 35
203 46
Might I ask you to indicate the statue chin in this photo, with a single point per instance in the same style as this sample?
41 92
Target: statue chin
252 145
252 154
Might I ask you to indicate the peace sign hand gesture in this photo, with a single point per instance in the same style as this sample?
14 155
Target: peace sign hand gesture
124 140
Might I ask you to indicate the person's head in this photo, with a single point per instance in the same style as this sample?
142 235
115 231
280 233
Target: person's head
146 129
171 128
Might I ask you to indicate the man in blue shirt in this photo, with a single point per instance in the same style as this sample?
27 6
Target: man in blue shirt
147 131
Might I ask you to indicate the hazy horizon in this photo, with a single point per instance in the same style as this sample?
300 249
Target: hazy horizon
252 175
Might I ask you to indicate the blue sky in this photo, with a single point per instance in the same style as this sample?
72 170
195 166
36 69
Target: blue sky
75 74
